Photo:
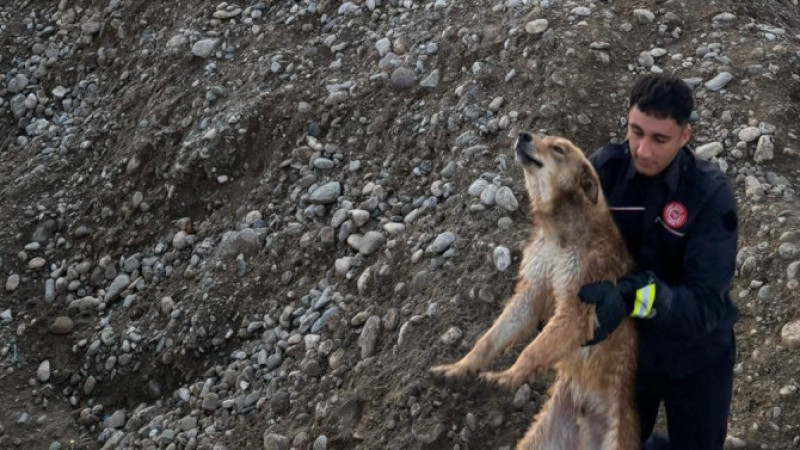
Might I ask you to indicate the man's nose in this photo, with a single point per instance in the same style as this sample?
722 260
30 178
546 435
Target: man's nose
644 149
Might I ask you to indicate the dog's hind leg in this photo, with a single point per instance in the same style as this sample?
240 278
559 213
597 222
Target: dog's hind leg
521 315
556 426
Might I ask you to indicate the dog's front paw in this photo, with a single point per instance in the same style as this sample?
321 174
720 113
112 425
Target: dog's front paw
508 379
451 372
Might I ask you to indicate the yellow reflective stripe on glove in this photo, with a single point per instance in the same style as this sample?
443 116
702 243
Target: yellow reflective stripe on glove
645 297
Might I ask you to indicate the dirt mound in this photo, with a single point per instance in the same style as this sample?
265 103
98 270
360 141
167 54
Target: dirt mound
266 221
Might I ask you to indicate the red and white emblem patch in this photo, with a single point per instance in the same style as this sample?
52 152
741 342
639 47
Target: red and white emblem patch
675 214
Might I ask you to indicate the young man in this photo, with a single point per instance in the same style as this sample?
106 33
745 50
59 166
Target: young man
677 215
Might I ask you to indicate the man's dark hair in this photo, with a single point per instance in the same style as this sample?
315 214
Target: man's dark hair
663 96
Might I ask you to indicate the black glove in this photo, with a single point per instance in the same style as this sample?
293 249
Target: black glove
640 296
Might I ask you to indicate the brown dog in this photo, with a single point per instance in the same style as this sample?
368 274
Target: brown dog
574 242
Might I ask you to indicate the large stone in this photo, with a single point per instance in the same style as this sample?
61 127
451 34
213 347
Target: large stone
710 150
537 26
327 193
765 150
62 325
43 372
719 81
368 339
273 441
18 83
749 134
790 334
117 286
403 78
204 47
247 242
368 243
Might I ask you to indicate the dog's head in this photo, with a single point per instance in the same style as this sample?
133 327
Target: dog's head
556 170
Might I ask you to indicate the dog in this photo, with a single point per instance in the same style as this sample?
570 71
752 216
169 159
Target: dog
574 242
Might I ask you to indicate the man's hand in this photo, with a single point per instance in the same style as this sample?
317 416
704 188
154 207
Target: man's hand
610 307
641 296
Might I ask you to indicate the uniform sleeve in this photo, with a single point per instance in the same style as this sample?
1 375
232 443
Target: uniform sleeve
700 304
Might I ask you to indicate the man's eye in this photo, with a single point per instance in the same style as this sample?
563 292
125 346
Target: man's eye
662 140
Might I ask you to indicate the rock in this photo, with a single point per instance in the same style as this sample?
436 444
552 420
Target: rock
321 443
6 316
441 243
734 443
274 441
788 390
43 372
710 150
644 16
18 83
116 420
403 78
432 80
36 263
383 46
223 14
790 334
765 150
537 26
119 284
368 243
327 193
62 325
788 251
178 41
724 18
12 283
502 258
505 199
210 401
368 339
749 134
719 81
90 27
88 386
247 242
204 47
452 336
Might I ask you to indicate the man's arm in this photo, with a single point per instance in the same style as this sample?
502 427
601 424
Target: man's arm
698 305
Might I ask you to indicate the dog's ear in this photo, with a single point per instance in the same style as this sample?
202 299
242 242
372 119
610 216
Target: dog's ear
589 184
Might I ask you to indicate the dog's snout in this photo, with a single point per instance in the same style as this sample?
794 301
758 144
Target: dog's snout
525 137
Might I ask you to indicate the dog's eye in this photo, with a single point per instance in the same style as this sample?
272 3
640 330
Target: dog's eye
558 150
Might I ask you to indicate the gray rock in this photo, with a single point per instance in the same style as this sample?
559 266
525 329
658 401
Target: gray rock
327 193
321 443
441 243
452 336
644 16
788 250
403 78
765 150
477 187
432 80
178 41
273 441
368 339
719 82
505 199
790 334
749 134
581 11
18 83
90 27
383 46
724 18
62 325
17 105
43 372
710 150
368 243
210 401
12 283
793 270
224 14
116 420
537 26
501 257
247 241
119 284
204 47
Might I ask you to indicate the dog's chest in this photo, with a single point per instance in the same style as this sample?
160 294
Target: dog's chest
545 259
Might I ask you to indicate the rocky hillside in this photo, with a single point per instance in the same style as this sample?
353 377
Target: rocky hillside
256 226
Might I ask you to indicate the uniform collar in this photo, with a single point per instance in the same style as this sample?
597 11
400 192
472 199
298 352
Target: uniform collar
670 175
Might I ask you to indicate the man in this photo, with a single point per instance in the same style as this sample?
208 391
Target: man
677 215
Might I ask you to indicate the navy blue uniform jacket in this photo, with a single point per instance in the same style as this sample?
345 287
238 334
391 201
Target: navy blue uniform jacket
682 225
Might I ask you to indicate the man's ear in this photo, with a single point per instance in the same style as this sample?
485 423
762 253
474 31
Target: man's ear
590 185
686 134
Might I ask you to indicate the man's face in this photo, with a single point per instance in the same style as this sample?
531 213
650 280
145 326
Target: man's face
654 142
